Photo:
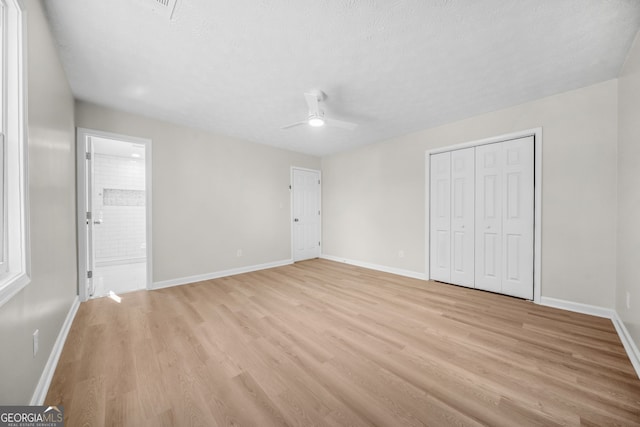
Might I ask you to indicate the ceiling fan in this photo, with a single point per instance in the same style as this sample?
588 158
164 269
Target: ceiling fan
316 116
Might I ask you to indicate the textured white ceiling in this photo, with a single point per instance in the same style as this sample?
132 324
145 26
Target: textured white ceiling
240 67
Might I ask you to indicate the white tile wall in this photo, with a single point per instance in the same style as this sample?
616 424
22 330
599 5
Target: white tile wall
121 236
118 197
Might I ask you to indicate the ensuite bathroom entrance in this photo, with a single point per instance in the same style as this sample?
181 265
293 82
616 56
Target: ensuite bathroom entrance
115 213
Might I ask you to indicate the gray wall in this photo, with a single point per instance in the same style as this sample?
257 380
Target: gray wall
374 197
212 195
45 302
629 193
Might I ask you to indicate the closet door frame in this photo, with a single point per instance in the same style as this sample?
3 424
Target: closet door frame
537 232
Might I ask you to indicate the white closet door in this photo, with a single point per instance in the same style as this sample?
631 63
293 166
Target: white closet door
488 241
440 217
462 216
517 222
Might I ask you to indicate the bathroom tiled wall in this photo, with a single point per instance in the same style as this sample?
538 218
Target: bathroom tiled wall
118 201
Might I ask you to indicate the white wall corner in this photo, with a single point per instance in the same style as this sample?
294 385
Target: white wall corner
218 274
627 342
40 393
370 266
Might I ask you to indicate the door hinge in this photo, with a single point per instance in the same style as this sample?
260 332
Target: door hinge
289 187
318 181
318 212
318 243
88 156
89 274
88 215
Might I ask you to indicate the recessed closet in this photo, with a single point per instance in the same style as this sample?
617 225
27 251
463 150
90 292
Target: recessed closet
481 210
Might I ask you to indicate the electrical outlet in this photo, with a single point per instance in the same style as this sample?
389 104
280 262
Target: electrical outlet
401 254
628 300
239 252
36 333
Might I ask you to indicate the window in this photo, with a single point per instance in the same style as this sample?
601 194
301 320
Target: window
3 263
14 250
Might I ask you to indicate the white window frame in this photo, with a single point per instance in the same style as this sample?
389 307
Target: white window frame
3 120
15 268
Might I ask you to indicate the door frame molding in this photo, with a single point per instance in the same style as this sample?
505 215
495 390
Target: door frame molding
81 135
291 206
537 218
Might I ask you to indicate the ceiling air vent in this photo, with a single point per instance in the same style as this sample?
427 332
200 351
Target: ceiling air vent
161 7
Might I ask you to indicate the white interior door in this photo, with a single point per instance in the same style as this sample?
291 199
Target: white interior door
440 217
488 236
90 252
462 216
517 222
306 214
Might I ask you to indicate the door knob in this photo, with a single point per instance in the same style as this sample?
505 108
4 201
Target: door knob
97 221
295 219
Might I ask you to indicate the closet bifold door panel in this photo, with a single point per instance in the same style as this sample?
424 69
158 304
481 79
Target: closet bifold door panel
462 216
440 217
488 236
504 217
518 215
481 210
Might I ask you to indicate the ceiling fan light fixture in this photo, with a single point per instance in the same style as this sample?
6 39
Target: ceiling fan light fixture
315 118
316 121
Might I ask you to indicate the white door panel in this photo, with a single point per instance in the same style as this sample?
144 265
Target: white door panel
517 223
306 214
89 196
488 260
440 217
462 216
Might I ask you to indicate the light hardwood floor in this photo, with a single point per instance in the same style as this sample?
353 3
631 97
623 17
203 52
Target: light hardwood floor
324 343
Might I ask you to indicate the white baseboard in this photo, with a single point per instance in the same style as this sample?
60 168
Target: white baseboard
392 270
218 274
627 342
42 387
593 310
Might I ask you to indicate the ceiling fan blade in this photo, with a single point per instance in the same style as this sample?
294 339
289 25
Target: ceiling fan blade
294 125
340 124
312 102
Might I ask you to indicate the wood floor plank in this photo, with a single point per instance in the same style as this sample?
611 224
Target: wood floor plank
320 343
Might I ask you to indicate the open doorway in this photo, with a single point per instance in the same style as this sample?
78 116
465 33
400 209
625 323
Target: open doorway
114 213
